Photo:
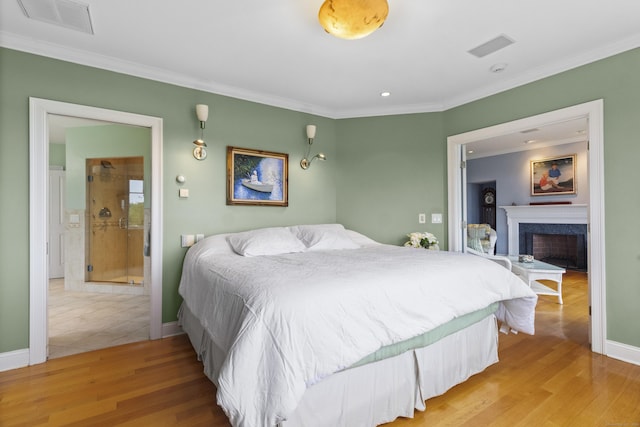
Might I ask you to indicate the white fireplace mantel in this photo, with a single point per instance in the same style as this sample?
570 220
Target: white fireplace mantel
541 214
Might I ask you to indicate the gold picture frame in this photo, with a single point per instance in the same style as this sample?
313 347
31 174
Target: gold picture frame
256 177
553 176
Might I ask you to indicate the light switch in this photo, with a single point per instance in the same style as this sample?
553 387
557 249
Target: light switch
183 193
436 218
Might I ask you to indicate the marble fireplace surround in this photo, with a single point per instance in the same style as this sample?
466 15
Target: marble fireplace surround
540 214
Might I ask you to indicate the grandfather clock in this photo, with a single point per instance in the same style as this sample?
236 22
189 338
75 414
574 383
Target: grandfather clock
488 207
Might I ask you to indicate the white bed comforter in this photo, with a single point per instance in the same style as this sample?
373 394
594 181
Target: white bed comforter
288 321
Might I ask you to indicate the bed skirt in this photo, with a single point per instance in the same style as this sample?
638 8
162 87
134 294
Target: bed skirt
381 391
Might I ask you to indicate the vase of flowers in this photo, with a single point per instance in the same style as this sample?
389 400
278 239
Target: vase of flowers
422 240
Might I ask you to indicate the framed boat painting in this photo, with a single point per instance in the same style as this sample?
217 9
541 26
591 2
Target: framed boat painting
257 177
553 176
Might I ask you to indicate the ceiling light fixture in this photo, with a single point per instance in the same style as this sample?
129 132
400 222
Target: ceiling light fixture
352 19
385 94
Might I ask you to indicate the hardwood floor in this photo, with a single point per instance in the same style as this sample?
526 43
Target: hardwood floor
550 379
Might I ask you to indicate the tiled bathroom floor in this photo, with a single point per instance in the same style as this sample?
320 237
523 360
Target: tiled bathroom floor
84 321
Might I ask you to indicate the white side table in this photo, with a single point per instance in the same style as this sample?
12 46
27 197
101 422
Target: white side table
531 272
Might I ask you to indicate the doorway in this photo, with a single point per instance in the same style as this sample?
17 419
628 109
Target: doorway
593 112
38 139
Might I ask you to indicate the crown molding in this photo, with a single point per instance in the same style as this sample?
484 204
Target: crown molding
51 50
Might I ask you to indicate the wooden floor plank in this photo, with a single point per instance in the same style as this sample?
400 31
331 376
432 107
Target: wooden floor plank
550 379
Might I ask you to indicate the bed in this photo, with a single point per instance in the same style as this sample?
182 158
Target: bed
316 325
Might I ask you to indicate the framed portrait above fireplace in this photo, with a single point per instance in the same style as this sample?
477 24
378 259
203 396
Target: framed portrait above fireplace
553 176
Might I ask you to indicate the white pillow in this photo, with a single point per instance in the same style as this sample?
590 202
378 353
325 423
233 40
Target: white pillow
265 241
324 236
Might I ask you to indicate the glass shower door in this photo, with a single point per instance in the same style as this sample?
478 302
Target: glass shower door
115 234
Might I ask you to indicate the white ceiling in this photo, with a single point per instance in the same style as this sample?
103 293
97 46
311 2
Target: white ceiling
560 133
58 126
275 52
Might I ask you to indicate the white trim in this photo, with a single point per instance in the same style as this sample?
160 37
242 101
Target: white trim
38 197
594 112
540 214
14 359
624 352
170 329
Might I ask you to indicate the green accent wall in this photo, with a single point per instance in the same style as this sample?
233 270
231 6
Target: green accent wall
381 171
390 169
57 155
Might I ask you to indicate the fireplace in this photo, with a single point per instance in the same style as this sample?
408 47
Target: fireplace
560 232
564 245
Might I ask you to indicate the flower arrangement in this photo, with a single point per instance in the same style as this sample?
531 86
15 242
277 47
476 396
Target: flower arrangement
422 240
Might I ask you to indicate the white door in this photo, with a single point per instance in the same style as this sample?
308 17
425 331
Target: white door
56 223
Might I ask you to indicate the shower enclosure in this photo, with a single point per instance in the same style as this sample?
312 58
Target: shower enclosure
115 220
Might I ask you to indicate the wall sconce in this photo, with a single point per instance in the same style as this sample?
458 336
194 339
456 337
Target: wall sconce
199 152
305 162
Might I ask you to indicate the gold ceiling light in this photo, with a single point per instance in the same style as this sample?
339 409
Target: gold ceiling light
352 19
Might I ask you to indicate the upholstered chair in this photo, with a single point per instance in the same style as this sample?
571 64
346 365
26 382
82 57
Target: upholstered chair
482 238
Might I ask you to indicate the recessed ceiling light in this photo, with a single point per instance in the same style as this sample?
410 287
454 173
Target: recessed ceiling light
385 94
529 141
470 152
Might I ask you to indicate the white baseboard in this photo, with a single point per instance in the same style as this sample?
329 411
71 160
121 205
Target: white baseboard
624 352
171 328
20 358
14 359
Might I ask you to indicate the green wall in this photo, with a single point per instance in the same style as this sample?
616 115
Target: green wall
57 155
381 172
232 122
390 169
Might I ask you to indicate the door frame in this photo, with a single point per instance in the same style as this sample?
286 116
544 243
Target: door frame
594 113
38 203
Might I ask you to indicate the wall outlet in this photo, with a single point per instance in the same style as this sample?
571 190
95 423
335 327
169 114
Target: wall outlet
183 193
187 240
422 218
199 237
436 218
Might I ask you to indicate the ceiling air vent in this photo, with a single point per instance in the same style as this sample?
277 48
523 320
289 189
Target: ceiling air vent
491 46
65 13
